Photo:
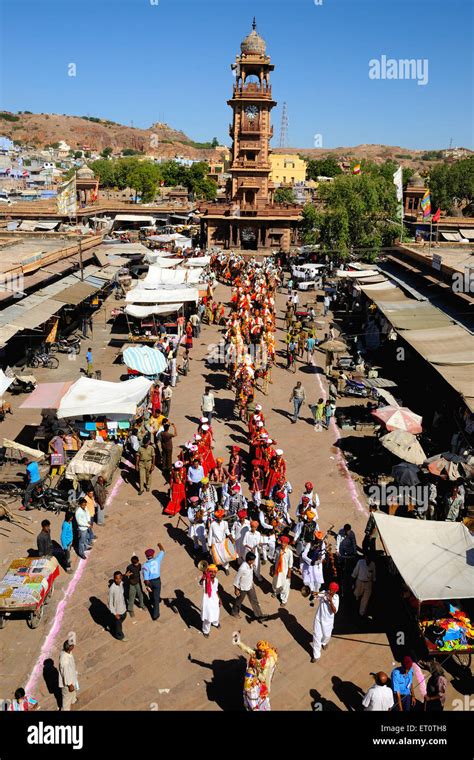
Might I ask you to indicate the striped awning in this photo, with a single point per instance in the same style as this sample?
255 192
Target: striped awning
146 360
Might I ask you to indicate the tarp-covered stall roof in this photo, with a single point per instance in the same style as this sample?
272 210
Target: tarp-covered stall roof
435 559
134 218
36 316
100 397
134 310
76 293
163 294
156 275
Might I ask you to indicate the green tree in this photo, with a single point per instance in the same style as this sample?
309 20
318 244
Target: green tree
105 170
452 185
323 167
215 142
357 212
106 152
284 195
78 154
309 225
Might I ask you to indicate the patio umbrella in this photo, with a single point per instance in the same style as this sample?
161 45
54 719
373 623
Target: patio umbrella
406 474
146 360
336 346
404 445
399 418
444 464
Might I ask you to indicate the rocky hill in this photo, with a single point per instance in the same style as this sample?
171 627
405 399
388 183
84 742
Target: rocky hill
161 140
40 130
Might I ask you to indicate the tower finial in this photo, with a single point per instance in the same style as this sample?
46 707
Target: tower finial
254 24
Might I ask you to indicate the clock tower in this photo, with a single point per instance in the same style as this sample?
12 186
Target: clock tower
248 218
251 129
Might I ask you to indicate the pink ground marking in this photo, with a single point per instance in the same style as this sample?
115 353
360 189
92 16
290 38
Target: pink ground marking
50 640
341 462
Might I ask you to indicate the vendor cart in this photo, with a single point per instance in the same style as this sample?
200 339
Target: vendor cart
26 588
96 458
434 562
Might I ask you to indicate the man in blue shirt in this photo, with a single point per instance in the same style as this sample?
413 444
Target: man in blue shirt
151 577
66 539
33 478
402 686
195 475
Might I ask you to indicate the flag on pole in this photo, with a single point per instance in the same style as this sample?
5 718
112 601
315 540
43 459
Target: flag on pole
95 192
398 182
426 204
436 217
53 332
356 169
66 199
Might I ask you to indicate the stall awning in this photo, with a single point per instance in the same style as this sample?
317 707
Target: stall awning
134 218
46 396
156 276
100 397
162 295
77 293
140 312
435 559
39 314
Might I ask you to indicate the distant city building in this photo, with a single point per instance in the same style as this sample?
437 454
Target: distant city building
6 145
287 168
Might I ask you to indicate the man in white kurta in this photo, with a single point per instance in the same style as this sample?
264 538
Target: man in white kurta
324 620
210 612
252 541
239 530
218 532
364 576
282 570
312 569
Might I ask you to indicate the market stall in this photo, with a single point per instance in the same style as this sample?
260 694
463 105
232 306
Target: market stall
26 587
102 409
435 561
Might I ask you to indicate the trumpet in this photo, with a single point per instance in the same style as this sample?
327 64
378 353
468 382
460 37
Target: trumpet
202 566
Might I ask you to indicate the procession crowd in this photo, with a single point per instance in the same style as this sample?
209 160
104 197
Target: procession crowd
228 529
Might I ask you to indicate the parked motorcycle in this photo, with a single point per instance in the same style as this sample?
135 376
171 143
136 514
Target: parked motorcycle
355 388
52 499
70 345
25 384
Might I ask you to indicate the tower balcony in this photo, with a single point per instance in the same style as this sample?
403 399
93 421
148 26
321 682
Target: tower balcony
252 90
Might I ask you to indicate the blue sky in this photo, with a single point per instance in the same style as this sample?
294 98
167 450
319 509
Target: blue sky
142 62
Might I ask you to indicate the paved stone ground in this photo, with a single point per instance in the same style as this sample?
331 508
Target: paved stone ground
169 665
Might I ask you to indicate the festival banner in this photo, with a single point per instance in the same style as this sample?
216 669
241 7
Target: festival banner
426 204
66 199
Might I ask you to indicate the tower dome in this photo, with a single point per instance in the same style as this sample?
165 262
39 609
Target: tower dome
253 44
85 173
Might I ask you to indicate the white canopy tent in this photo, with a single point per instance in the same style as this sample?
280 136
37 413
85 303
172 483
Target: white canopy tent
198 261
163 294
166 262
134 310
5 382
97 397
156 275
435 559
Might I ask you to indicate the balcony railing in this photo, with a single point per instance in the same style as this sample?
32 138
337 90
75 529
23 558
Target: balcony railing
252 90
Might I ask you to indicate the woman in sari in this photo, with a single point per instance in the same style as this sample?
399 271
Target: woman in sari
178 490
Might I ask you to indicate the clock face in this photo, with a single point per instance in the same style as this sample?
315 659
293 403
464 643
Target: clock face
251 112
